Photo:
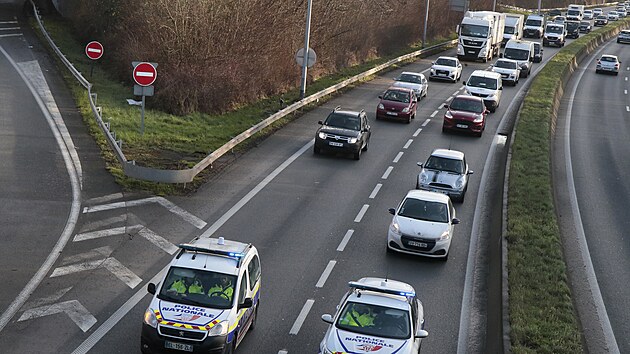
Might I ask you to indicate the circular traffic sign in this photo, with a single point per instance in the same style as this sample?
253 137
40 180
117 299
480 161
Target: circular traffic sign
144 74
312 57
94 50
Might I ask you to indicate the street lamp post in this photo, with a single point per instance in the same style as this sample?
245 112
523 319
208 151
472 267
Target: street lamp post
426 21
307 36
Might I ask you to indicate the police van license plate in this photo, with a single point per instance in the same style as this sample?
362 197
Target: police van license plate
417 244
334 143
178 346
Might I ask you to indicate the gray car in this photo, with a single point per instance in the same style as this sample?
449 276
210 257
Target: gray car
445 171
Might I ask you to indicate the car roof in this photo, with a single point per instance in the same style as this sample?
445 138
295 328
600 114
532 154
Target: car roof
222 263
445 57
451 154
507 60
411 73
468 97
398 88
485 73
382 298
625 31
347 113
427 196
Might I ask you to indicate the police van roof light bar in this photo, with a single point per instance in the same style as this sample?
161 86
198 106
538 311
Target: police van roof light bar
380 289
238 256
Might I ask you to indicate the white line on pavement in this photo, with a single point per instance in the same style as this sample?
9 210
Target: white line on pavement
104 199
9 28
158 240
100 252
73 308
10 35
417 132
299 321
375 190
448 99
346 239
397 158
408 144
283 352
455 93
387 172
46 300
434 114
103 223
325 274
627 109
625 92
361 213
8 22
626 78
106 233
111 264
426 122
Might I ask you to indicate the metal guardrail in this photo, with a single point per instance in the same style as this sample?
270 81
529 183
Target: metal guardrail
186 175
608 4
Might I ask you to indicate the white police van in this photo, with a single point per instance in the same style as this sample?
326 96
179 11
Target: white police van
376 315
207 300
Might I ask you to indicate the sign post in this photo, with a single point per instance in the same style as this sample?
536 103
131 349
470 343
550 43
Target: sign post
94 50
144 74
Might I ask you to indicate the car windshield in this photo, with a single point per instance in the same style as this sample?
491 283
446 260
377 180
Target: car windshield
415 79
483 82
508 30
474 31
198 288
555 29
343 121
467 105
424 210
532 22
505 64
516 54
573 12
396 96
601 17
572 26
585 23
445 164
446 62
374 320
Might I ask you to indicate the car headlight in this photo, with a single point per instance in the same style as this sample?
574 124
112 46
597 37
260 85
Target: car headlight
220 329
149 318
459 183
322 135
380 106
353 140
423 178
484 51
395 228
492 96
478 118
432 71
405 110
448 115
445 236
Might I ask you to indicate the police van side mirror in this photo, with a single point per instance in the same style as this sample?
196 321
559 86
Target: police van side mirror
247 303
327 318
151 288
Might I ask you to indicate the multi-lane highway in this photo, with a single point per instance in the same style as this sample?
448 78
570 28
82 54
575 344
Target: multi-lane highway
318 222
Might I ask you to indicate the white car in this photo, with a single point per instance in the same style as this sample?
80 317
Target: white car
608 64
376 316
487 85
588 15
613 16
509 70
597 12
415 81
446 68
423 224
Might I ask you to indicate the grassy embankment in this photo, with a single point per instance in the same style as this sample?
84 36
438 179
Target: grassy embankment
170 141
542 316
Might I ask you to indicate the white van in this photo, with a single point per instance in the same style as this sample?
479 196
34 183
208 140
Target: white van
207 301
487 85
521 51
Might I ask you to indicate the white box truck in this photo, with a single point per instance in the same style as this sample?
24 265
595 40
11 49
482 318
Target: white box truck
513 29
575 12
480 35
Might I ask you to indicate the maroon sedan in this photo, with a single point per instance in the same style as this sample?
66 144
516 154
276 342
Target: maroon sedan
397 103
465 113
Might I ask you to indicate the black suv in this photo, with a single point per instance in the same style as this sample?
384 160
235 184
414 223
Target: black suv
343 131
573 29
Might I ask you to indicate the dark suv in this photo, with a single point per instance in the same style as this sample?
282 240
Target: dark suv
573 29
343 131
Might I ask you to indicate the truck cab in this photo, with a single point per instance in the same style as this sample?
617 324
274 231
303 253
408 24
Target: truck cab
555 34
575 12
480 35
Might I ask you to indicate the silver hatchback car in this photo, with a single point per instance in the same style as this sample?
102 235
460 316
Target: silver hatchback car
608 64
445 171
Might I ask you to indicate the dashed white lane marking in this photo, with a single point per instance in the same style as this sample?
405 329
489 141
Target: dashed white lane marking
455 93
461 88
387 172
8 22
10 35
77 313
299 321
283 352
434 114
627 109
106 233
346 239
361 213
10 29
626 78
625 92
426 122
449 99
397 158
375 190
408 144
417 132
325 274
628 68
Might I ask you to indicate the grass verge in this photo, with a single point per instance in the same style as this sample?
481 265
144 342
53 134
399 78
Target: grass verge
542 316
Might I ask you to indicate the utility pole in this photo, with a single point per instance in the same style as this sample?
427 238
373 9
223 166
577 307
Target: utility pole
307 36
539 1
426 22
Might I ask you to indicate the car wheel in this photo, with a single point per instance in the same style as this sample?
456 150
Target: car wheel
479 134
389 250
316 150
617 73
357 155
408 119
494 109
367 144
444 130
445 258
252 326
596 71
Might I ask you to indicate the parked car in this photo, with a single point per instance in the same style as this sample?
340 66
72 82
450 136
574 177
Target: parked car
422 224
445 171
585 27
573 29
397 103
415 81
608 64
538 52
623 36
343 131
601 21
465 114
509 69
446 68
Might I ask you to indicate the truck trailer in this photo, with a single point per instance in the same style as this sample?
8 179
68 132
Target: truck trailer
513 29
480 34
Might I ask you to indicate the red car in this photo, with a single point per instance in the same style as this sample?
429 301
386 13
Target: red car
397 103
465 113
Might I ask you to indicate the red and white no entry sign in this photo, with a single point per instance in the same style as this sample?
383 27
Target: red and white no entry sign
94 50
144 74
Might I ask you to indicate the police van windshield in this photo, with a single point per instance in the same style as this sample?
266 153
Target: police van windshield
198 288
373 320
482 82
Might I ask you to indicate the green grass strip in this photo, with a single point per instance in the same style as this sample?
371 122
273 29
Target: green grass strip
542 316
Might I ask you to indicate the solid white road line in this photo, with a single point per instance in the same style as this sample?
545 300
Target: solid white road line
417 132
345 240
387 172
106 233
73 215
408 144
426 122
448 99
101 252
299 321
434 114
10 35
361 213
397 158
325 274
375 191
9 28
77 313
8 22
